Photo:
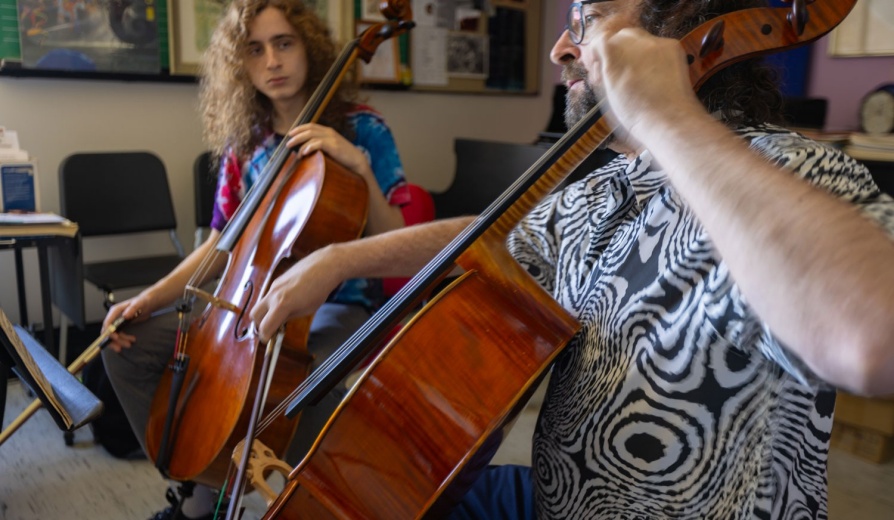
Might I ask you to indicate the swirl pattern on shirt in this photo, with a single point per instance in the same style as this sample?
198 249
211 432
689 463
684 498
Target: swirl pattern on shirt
674 400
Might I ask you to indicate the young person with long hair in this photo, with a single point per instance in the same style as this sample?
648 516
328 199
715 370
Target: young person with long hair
264 61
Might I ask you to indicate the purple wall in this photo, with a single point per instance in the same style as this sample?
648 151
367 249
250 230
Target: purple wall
844 82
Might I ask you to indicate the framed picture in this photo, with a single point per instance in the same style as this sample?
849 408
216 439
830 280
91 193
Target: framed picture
467 55
384 67
867 31
190 24
82 36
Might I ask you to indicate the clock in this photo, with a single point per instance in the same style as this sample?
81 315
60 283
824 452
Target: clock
877 111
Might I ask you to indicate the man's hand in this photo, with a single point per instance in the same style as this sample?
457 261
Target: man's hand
300 291
645 78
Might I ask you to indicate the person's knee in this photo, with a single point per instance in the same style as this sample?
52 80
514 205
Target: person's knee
113 363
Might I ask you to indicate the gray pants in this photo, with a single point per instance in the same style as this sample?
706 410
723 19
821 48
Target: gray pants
135 372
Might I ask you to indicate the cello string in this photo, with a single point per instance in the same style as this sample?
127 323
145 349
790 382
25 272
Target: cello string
445 259
311 112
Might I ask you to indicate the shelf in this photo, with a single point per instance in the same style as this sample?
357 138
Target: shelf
15 70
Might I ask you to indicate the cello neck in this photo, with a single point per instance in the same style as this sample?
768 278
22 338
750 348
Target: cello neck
311 113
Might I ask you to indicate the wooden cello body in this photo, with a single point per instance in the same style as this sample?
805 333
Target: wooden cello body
435 400
429 411
314 202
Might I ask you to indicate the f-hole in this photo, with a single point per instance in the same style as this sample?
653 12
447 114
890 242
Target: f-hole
240 331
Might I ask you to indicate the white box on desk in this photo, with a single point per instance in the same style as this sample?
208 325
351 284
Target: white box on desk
19 186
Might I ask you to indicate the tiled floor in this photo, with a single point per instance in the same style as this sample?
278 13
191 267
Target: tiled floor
42 479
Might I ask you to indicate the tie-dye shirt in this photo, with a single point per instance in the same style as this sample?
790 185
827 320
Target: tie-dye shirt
372 136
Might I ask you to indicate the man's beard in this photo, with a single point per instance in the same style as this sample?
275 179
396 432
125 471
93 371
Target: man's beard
578 102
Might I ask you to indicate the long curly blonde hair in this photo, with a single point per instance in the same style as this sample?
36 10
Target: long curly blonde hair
235 115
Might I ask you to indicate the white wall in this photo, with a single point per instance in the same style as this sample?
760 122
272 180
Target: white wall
56 117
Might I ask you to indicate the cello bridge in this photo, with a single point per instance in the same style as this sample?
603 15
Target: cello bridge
213 300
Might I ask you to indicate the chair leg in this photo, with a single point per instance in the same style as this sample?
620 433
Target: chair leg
67 437
197 241
177 245
108 299
63 339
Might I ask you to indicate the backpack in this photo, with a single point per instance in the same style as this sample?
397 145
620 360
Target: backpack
111 429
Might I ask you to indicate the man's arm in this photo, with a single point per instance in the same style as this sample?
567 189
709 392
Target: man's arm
815 270
307 284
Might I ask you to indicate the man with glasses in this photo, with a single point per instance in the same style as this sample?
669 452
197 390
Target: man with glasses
724 281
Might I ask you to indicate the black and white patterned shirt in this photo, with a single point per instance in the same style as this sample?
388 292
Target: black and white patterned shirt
674 400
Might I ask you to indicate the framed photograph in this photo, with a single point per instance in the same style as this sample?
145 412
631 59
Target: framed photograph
867 31
190 24
384 67
467 55
82 36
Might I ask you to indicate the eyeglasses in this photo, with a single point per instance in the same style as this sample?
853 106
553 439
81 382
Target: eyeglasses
578 21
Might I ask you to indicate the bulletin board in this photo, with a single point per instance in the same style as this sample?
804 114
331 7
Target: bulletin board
470 46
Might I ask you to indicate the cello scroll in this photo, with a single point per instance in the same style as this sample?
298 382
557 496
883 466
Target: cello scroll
399 15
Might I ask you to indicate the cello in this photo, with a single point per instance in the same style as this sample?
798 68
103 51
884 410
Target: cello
415 427
296 206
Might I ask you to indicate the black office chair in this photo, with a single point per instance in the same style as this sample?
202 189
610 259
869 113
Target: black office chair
118 193
485 169
802 112
205 170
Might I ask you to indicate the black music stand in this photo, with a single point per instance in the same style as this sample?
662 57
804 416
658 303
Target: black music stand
70 403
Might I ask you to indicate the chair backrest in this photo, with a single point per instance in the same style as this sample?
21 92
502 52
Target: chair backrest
116 192
803 112
485 169
421 208
205 169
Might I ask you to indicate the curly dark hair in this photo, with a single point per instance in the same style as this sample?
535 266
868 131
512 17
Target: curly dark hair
747 92
234 113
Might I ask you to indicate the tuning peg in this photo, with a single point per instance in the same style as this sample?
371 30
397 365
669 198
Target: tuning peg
799 16
713 41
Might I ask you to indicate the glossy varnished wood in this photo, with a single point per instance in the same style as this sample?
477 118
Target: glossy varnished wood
318 204
449 384
759 31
